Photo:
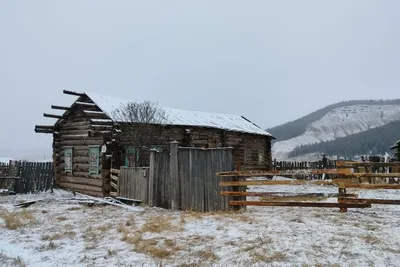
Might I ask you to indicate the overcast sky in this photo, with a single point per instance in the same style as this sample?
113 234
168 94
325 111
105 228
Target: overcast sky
270 61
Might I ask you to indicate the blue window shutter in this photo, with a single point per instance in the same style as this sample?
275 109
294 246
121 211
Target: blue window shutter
131 153
94 159
68 160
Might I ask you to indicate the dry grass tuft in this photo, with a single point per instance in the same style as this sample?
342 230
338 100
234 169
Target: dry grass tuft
111 253
221 213
264 257
200 239
370 227
74 208
370 239
182 218
245 218
91 238
6 260
15 220
50 246
61 218
156 247
207 255
278 256
298 220
103 228
130 221
58 236
161 223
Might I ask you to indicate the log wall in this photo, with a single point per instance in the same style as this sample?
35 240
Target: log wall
250 151
79 130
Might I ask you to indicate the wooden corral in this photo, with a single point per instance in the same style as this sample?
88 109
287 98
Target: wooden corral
345 179
88 142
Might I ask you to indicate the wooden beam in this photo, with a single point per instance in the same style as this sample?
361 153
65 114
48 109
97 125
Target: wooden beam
44 131
52 116
370 175
101 122
286 182
81 181
113 185
370 186
284 194
85 103
67 92
248 173
365 164
52 127
74 186
372 201
60 107
300 204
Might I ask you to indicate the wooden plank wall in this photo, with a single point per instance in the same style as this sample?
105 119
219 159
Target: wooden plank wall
133 183
199 186
191 185
26 177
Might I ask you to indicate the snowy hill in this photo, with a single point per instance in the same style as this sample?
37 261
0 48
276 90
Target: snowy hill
338 123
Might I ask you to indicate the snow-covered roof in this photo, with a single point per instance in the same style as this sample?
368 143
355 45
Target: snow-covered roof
230 122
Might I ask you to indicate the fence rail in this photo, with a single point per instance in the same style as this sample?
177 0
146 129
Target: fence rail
345 179
24 177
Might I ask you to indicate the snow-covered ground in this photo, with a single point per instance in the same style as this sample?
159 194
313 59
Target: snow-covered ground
61 233
339 122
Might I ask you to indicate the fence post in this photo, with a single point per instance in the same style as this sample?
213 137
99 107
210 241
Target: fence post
173 167
150 196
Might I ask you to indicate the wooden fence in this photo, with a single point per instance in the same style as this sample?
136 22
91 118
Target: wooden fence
304 165
345 179
183 178
25 177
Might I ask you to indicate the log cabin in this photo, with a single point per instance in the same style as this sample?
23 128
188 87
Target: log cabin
88 142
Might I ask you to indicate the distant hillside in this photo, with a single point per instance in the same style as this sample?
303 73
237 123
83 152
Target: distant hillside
335 122
297 127
375 141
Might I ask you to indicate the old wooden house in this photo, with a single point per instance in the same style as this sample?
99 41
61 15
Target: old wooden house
87 141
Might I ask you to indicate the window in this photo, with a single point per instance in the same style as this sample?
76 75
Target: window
254 156
131 156
261 158
94 159
68 160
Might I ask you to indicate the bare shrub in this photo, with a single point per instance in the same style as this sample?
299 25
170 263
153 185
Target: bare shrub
141 124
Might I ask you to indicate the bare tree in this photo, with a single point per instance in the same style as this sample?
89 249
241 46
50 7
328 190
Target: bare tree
141 125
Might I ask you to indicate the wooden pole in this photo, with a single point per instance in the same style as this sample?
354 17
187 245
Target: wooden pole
174 175
52 116
342 190
67 92
60 107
